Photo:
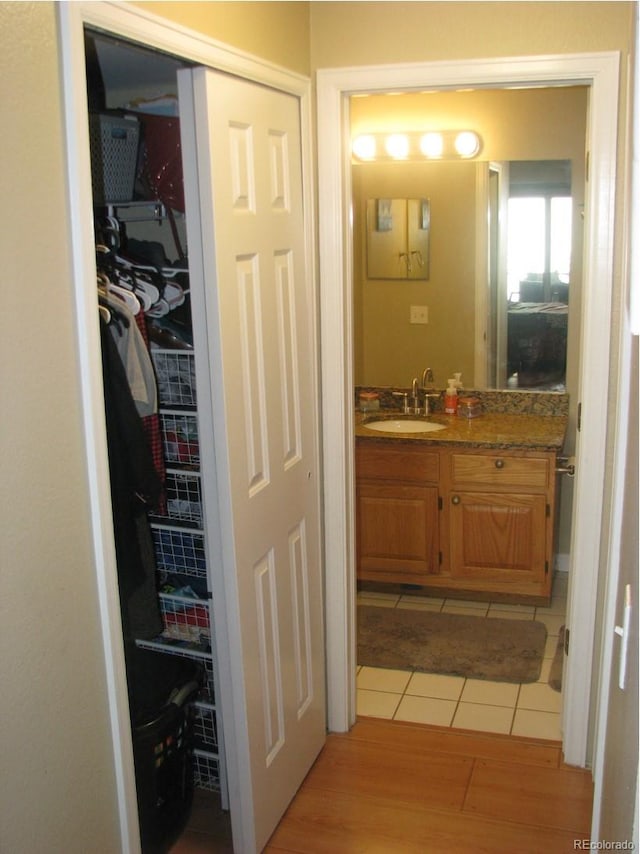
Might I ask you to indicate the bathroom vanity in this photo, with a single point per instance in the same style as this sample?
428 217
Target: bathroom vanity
465 511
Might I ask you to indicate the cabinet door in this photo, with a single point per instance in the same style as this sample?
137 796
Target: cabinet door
397 532
498 536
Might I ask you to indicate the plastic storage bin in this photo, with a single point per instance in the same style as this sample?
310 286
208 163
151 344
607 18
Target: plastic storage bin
161 690
114 141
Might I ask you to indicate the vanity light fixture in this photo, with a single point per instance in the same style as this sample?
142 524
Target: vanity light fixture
417 145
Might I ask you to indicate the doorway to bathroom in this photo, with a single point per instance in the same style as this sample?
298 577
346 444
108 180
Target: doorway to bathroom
493 276
599 72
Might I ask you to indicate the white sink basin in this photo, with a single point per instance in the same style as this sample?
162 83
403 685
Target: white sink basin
408 425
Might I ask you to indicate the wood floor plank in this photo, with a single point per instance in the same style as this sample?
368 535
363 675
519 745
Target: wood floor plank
431 739
323 822
559 798
393 788
365 768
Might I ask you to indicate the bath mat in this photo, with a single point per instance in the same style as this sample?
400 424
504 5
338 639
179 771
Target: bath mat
555 674
499 649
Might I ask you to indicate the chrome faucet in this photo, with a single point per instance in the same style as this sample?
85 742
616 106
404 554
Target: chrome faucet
416 391
415 394
429 391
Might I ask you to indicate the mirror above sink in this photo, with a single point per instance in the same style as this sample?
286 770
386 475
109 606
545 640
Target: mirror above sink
456 321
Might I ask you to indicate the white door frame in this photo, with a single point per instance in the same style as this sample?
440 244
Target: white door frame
139 26
334 86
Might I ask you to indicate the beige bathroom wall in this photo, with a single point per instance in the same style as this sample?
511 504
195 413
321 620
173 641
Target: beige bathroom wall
278 32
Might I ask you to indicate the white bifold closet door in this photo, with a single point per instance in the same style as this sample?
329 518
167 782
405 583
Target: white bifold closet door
253 305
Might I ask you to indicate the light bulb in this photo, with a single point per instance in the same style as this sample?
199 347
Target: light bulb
431 144
397 146
467 144
364 147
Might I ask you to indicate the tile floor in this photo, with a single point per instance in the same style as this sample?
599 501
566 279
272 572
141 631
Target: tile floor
531 710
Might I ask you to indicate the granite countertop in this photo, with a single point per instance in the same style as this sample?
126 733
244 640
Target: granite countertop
489 430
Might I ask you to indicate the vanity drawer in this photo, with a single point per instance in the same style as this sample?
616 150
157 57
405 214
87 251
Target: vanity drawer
498 469
397 463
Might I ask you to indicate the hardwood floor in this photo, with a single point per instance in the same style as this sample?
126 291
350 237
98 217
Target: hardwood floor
393 788
389 787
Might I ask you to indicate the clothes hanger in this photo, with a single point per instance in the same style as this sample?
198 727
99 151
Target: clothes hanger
105 301
160 308
128 298
146 290
125 294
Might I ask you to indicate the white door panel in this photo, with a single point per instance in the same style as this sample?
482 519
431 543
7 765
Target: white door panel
245 163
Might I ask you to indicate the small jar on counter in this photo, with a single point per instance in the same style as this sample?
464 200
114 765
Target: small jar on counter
469 407
369 401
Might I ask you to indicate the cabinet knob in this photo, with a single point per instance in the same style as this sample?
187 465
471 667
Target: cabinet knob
455 499
499 464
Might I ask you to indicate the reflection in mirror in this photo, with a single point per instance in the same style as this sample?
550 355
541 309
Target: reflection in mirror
398 238
538 250
497 315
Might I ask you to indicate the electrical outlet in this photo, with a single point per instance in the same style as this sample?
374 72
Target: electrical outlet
419 314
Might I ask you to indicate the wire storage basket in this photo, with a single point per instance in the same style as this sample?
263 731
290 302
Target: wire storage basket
206 770
179 551
185 618
176 377
180 437
184 496
205 727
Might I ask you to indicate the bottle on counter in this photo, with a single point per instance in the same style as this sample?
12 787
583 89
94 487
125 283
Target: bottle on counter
451 398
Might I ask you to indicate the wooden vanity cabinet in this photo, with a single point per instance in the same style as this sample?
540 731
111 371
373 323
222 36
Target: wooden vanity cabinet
397 522
500 509
464 521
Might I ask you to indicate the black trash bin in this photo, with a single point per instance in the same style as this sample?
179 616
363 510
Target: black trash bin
161 688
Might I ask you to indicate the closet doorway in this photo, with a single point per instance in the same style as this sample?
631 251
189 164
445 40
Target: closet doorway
251 725
145 298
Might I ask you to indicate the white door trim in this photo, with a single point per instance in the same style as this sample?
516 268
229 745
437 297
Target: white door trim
136 25
599 71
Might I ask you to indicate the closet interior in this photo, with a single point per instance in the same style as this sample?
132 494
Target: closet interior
151 405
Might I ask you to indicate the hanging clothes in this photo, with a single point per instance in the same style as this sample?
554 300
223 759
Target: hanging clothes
132 341
134 354
135 489
153 431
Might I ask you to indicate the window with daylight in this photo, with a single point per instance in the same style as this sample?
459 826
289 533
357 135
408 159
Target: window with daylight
539 248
